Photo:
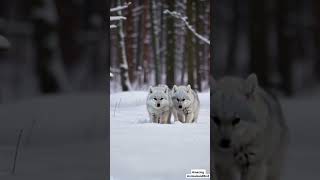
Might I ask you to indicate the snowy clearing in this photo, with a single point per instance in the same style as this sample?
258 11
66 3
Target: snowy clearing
143 150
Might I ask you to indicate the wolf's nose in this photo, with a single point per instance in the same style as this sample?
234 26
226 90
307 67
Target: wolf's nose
225 143
180 106
158 105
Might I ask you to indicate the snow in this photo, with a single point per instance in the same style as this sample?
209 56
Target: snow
143 150
302 114
117 18
119 8
64 137
68 139
113 26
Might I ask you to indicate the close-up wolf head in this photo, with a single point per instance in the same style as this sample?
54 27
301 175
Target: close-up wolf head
233 120
158 96
182 96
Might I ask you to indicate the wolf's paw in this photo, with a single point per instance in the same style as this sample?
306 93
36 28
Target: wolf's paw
243 157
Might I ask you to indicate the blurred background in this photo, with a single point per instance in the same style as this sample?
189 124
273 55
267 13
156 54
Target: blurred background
158 48
277 39
53 89
57 46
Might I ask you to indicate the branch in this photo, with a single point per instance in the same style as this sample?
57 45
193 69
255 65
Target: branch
117 18
112 26
120 8
185 21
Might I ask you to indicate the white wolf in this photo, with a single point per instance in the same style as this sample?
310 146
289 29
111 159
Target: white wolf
186 104
159 104
250 135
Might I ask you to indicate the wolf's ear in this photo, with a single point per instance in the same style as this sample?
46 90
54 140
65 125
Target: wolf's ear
251 84
166 89
175 88
188 88
150 90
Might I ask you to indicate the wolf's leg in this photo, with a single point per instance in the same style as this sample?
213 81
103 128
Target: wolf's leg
275 166
153 118
181 118
174 112
189 118
223 173
255 172
164 118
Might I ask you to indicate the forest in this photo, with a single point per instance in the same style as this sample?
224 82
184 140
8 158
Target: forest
159 42
279 40
56 46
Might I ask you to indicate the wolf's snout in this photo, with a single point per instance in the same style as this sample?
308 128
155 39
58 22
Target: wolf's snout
180 106
225 143
158 105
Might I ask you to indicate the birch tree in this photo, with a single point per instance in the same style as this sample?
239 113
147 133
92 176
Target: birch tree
125 83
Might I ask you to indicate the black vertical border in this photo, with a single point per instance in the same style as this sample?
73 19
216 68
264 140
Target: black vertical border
212 20
108 94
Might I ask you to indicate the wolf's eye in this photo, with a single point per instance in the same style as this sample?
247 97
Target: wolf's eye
161 98
178 99
183 99
235 121
155 99
216 120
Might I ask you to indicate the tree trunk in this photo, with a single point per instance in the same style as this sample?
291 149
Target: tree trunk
139 53
233 41
69 29
258 41
125 83
190 45
170 55
130 42
200 49
161 39
284 60
316 14
146 40
48 83
155 42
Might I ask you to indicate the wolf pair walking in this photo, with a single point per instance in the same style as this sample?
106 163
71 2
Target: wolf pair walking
181 101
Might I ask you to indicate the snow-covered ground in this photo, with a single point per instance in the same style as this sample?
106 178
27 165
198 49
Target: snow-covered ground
67 139
64 138
303 116
141 150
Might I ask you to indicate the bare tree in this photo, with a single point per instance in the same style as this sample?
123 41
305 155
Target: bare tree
316 14
233 38
258 40
170 55
284 60
199 46
190 45
155 41
125 82
129 24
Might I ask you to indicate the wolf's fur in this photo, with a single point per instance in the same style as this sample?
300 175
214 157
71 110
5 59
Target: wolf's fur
186 104
258 140
159 104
